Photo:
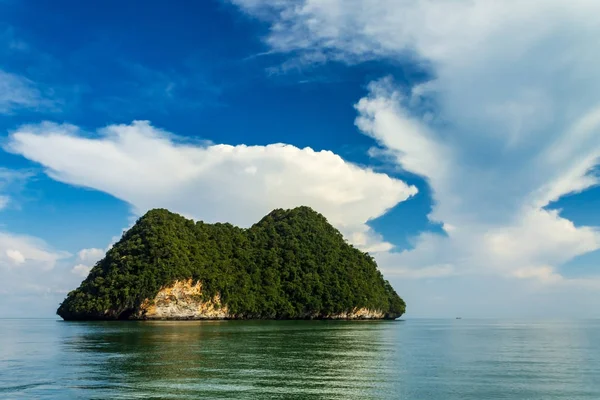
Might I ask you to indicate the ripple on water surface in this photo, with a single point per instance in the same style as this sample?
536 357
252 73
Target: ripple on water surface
413 359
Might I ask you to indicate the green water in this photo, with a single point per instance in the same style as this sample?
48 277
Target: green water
412 359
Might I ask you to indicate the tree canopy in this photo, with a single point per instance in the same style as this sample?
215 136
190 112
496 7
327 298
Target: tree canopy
290 264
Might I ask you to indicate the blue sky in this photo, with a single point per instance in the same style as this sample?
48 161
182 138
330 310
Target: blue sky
457 142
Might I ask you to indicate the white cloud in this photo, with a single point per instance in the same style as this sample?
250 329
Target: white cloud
508 123
11 181
430 271
15 256
147 168
87 259
91 255
81 270
34 277
19 92
27 251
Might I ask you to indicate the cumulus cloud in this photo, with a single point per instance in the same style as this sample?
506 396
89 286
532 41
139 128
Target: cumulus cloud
15 256
491 211
91 255
34 277
19 250
81 270
508 123
148 168
87 259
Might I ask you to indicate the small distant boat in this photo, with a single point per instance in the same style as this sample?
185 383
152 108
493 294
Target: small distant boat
458 317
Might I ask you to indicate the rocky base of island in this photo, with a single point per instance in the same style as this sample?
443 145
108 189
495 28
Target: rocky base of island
183 300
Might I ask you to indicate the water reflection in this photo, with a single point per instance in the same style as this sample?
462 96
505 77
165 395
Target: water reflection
233 359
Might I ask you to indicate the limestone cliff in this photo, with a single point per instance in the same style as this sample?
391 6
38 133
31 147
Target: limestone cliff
183 300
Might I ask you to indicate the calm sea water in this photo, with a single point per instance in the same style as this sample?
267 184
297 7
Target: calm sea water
412 359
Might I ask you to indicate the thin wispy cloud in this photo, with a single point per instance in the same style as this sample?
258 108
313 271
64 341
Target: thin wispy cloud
10 41
11 184
18 92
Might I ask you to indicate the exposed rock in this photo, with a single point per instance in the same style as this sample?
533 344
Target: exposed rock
358 313
184 301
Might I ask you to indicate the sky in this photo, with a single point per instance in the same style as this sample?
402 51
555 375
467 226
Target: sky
456 141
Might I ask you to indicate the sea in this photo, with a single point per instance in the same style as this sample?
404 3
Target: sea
416 359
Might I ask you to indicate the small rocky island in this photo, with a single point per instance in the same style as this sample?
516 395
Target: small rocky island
290 265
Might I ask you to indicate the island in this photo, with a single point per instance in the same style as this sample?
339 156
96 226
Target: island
292 264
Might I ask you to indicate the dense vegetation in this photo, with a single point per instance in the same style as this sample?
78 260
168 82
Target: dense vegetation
291 264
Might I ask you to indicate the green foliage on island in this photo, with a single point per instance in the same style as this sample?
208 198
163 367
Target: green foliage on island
291 264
